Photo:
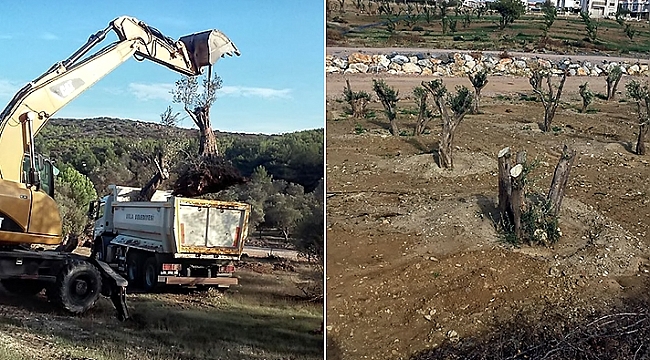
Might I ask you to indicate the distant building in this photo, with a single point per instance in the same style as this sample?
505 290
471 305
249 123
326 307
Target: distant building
599 8
639 9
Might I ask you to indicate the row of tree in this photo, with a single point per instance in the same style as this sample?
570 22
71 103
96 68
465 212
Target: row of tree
452 107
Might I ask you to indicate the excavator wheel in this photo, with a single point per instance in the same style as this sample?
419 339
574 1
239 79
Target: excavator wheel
77 287
22 287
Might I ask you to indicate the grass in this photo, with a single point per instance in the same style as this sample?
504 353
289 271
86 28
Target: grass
262 318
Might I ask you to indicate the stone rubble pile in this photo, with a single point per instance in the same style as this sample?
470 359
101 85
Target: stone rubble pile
461 64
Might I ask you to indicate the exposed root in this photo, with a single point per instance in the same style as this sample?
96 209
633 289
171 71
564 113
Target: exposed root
210 174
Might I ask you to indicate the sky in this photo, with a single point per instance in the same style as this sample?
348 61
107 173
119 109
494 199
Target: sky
275 86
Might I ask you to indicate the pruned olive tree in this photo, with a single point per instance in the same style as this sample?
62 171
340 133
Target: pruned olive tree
424 113
389 98
478 80
587 96
550 98
641 95
613 77
358 100
453 109
197 99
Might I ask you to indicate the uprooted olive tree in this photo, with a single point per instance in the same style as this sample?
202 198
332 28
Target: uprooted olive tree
641 95
613 77
478 80
453 109
209 172
550 98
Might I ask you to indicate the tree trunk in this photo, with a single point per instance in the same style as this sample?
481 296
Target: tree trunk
446 139
505 186
640 144
477 99
517 198
560 180
207 140
394 130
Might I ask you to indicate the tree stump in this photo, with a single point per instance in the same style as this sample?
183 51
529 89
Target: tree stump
504 185
560 180
517 197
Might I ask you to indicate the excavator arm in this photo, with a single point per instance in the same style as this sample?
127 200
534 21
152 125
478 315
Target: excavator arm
39 100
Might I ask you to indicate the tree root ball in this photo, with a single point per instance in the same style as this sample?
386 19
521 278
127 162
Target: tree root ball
209 175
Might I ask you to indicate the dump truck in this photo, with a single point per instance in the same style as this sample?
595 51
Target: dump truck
169 240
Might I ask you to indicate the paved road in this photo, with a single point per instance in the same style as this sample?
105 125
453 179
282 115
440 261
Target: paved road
594 58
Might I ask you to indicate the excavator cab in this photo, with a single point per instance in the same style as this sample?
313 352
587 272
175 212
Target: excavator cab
44 173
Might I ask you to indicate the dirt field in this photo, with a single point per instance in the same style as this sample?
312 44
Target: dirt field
263 318
413 258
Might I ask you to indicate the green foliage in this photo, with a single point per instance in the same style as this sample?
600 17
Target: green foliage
359 129
461 101
388 97
637 91
479 79
621 12
590 25
629 31
510 10
188 92
550 13
356 99
73 192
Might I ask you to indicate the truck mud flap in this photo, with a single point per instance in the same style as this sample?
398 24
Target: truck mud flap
114 286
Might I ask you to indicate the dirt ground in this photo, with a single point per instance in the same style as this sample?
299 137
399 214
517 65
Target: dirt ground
413 257
263 317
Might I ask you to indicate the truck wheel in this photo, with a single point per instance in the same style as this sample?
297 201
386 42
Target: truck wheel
150 274
22 287
77 287
133 268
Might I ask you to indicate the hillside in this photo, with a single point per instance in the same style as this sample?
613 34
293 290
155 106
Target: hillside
118 150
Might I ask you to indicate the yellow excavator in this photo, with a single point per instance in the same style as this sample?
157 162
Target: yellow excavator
29 217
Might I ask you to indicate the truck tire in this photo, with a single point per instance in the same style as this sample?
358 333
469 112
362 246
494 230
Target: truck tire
150 272
133 268
77 287
22 287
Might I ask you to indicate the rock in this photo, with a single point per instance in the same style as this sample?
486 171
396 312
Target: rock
413 59
505 61
597 70
332 69
634 69
582 72
328 60
360 67
399 59
392 71
572 72
411 68
468 58
459 59
425 63
359 58
520 64
375 69
383 61
395 66
351 71
574 66
470 64
593 72
341 63
544 64
453 336
436 61
426 71
587 65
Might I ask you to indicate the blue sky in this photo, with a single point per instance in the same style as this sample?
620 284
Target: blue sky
275 86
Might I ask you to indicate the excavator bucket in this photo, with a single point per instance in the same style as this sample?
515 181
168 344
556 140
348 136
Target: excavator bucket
206 47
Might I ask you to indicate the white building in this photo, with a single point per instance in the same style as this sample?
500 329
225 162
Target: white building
599 8
639 9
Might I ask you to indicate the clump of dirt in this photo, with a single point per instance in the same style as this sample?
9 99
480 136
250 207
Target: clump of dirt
210 175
